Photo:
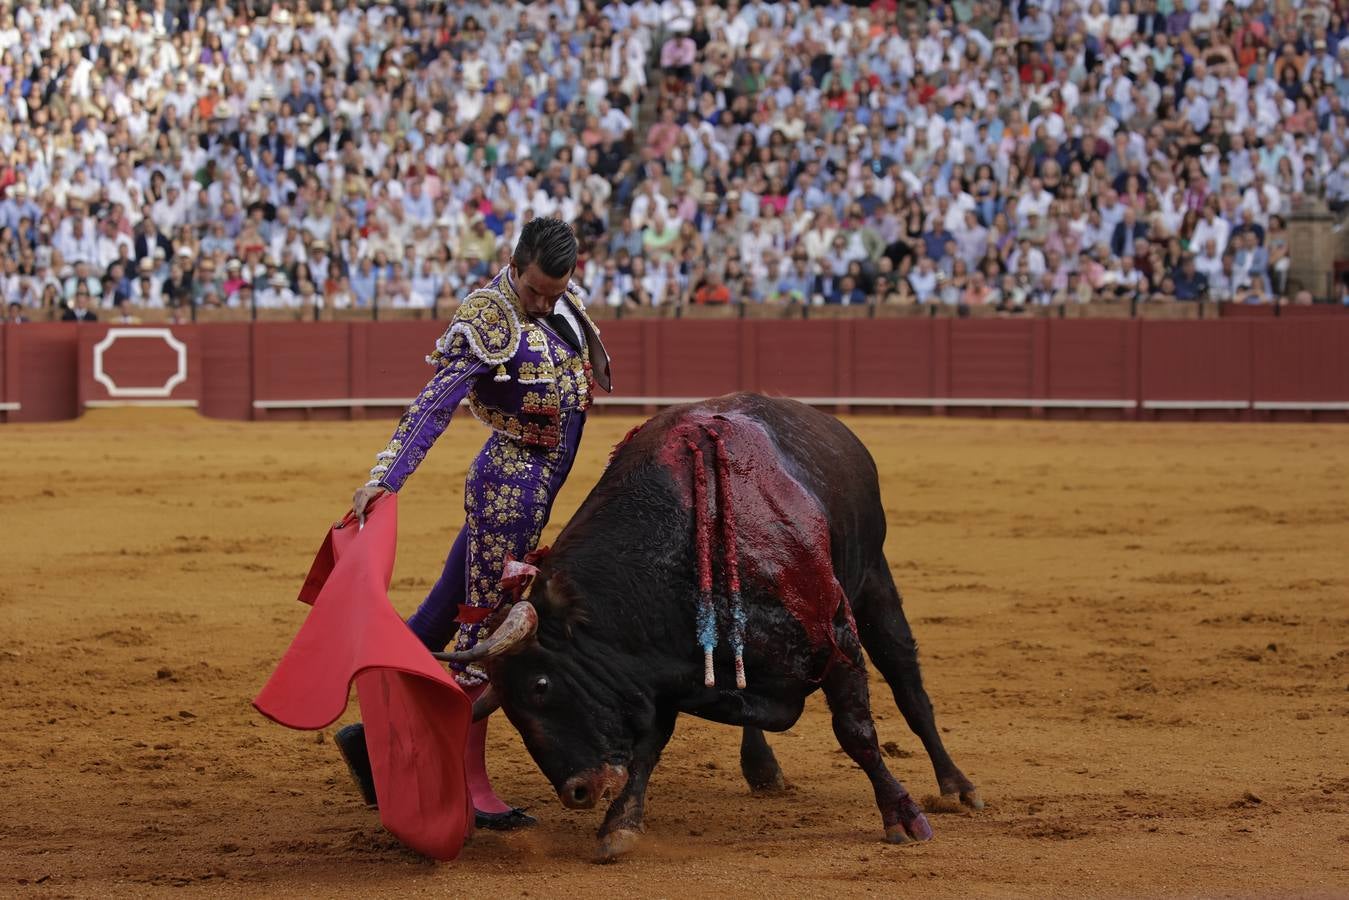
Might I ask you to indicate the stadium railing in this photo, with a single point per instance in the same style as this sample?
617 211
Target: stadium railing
1103 309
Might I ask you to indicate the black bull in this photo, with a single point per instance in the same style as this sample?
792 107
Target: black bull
615 655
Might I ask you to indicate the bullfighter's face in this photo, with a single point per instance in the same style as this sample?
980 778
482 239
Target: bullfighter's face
538 291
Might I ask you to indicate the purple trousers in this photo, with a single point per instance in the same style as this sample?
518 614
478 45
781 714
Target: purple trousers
508 497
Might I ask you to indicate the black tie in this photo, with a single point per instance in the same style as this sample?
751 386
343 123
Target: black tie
564 330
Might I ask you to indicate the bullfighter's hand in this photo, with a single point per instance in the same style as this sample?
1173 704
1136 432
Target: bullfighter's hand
363 497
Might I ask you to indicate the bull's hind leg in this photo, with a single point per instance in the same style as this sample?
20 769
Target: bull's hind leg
759 765
845 687
889 642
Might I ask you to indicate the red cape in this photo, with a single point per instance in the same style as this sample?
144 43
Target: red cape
416 716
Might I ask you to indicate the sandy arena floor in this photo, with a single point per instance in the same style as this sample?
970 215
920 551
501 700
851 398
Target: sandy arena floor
1136 638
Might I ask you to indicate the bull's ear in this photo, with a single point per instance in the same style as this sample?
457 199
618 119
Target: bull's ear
550 595
555 597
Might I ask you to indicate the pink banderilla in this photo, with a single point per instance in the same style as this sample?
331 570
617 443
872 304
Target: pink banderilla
707 614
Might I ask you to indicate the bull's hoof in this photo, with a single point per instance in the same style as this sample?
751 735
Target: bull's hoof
972 799
953 802
769 786
960 791
909 832
619 842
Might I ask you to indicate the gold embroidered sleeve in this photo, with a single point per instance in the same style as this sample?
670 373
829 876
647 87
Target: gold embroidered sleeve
429 414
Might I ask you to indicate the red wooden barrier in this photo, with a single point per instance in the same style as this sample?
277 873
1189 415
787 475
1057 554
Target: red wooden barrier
302 360
1232 368
794 359
990 358
1299 366
9 376
696 360
1091 359
1248 311
1196 368
626 341
227 370
159 366
42 360
898 358
1320 310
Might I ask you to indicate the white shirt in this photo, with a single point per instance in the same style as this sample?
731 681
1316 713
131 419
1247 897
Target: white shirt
276 298
563 308
924 284
1216 231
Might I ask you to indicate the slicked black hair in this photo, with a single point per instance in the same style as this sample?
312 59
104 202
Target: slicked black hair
547 243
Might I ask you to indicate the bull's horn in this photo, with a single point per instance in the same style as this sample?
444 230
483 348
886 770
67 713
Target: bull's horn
487 703
519 626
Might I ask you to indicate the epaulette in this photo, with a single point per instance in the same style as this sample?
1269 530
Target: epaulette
489 324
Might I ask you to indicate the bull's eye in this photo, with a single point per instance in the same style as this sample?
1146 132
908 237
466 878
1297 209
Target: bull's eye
540 687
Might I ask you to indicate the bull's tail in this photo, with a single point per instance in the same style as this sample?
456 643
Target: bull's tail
703 525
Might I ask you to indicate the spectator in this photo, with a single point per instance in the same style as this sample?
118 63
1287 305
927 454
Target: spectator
795 285
1251 264
278 294
923 280
1012 293
1190 284
1278 254
658 238
887 292
1209 261
1123 242
146 290
234 280
478 245
1055 126
976 292
1211 232
712 292
81 308
663 136
847 292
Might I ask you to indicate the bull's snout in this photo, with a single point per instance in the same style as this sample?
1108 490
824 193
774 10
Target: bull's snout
583 791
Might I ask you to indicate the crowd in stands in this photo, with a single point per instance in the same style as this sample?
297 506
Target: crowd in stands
354 154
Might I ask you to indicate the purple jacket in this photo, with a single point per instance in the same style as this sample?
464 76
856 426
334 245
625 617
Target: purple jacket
516 373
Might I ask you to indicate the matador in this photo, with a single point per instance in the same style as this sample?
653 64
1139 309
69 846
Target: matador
525 356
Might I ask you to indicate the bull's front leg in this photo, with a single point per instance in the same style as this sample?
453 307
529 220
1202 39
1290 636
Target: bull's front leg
625 821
